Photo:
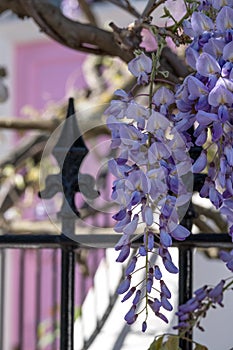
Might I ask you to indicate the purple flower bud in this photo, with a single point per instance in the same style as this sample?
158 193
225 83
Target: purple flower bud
142 250
124 253
131 227
169 266
165 303
201 293
131 317
162 317
144 326
190 306
129 294
151 240
165 239
155 305
137 297
217 291
164 289
124 286
157 273
148 215
131 267
120 215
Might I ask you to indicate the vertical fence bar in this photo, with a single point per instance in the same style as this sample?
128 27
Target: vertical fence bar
2 301
21 298
54 297
67 299
38 294
185 286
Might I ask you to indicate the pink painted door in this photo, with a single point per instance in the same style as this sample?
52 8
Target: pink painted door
45 72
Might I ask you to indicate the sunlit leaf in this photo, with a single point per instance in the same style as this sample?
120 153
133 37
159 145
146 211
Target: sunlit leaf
172 343
157 343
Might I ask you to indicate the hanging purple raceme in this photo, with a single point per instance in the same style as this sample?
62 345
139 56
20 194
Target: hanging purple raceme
152 142
149 188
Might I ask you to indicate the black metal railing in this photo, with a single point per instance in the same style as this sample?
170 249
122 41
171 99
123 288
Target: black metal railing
61 245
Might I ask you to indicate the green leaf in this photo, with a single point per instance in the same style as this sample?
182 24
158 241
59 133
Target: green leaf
172 343
157 343
200 347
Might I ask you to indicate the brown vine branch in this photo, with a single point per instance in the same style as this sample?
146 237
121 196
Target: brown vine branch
28 124
76 35
88 12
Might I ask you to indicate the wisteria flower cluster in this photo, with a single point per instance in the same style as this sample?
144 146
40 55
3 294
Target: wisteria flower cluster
151 133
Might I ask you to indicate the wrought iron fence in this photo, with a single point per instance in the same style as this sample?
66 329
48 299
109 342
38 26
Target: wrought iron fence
63 253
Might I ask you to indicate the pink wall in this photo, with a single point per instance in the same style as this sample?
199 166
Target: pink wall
45 71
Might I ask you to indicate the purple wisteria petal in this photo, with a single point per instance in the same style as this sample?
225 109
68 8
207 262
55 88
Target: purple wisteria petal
157 121
215 197
207 65
123 94
228 52
191 57
223 113
200 163
224 19
140 67
217 4
217 131
196 88
201 139
163 96
214 47
180 233
225 256
201 23
187 27
228 151
205 118
220 95
121 224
